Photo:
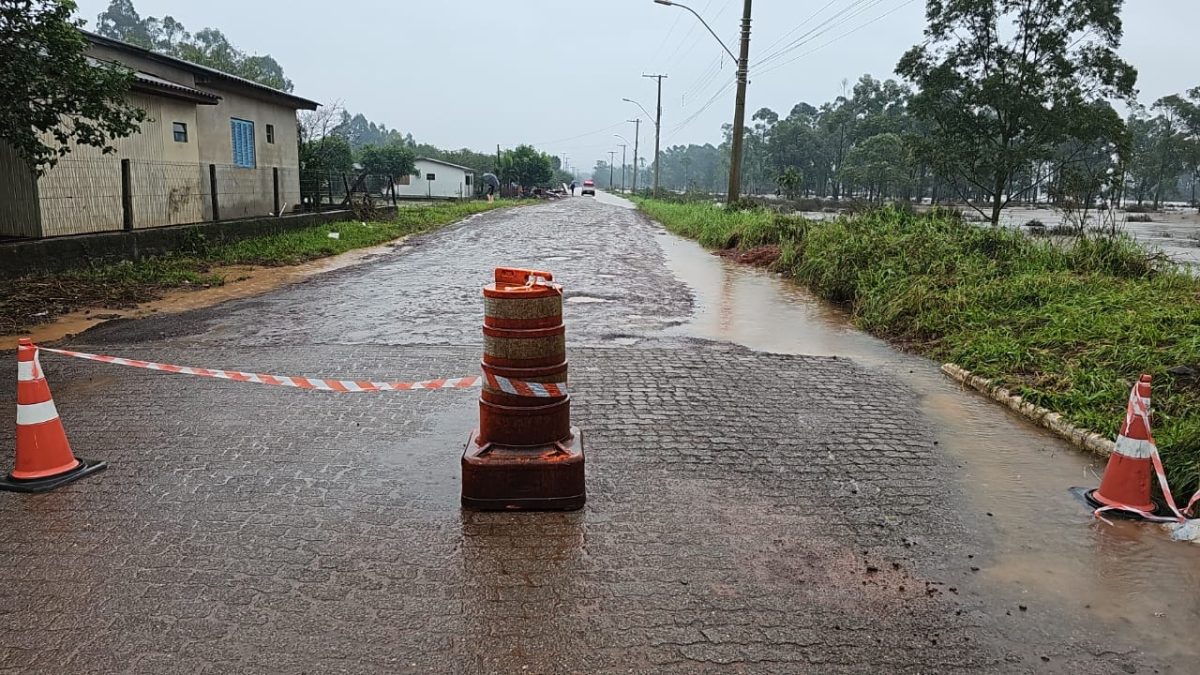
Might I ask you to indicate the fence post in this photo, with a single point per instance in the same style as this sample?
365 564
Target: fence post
212 188
275 188
392 188
126 195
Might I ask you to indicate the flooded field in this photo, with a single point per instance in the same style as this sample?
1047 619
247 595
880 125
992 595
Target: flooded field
1175 230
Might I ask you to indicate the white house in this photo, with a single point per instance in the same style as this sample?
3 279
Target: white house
436 179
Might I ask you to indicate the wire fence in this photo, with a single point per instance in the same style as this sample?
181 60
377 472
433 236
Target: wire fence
330 190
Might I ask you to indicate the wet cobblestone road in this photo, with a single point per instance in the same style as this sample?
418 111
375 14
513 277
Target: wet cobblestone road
747 512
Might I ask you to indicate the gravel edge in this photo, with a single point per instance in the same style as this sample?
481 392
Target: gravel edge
1082 438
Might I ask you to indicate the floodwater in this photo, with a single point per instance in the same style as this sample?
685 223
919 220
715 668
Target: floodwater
1046 546
1174 231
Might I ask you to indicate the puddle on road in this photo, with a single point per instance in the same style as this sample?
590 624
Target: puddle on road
1045 547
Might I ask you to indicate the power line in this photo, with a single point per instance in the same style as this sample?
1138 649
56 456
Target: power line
835 39
571 138
802 24
703 80
694 116
686 36
855 9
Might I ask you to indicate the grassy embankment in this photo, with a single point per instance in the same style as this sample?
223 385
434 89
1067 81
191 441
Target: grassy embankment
1068 326
38 299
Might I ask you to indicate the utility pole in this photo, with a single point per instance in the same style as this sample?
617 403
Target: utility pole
612 157
739 110
637 132
657 130
623 146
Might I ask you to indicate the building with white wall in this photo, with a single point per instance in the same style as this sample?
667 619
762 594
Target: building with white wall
436 179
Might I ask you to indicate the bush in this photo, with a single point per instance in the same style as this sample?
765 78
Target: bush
1139 218
1138 208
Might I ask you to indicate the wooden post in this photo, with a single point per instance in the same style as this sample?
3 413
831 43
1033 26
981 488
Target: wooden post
392 188
212 187
275 188
126 195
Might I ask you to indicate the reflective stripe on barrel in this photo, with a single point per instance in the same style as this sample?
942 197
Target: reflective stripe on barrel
522 312
524 348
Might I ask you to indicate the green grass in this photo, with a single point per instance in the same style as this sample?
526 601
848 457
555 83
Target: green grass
37 299
1069 327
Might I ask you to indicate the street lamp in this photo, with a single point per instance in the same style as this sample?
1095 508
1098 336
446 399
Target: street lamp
739 109
637 136
623 146
629 100
669 3
657 128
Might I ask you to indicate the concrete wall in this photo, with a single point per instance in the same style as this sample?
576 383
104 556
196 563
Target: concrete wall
83 192
170 179
63 253
137 62
18 197
449 182
246 192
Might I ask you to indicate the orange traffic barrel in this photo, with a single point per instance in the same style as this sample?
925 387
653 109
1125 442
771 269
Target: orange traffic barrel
525 454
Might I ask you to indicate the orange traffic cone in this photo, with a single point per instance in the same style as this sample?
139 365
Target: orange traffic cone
44 459
1126 482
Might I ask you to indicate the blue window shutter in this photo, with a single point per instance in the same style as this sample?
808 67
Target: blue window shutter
242 136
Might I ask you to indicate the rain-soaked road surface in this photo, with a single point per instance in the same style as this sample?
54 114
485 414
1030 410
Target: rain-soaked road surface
823 504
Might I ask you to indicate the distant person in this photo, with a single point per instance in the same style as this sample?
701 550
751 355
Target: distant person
572 188
492 183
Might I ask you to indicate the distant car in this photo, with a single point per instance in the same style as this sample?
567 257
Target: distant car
589 188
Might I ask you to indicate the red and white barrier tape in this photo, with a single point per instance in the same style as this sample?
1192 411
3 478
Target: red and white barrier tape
507 385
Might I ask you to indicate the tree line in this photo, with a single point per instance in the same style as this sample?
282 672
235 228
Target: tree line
57 98
1005 101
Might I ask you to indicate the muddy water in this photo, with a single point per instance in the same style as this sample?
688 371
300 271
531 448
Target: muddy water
1046 548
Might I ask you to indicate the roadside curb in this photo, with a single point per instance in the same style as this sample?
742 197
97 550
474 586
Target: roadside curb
1082 438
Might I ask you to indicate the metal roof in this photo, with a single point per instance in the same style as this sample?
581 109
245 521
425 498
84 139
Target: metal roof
160 84
445 163
295 101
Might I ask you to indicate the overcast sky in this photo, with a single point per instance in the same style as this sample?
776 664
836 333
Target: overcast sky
473 74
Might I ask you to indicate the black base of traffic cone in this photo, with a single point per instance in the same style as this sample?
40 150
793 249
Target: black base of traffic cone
1086 495
86 467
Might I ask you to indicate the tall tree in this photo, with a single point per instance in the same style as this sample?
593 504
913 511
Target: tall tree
208 47
393 159
54 96
1002 99
526 167
122 22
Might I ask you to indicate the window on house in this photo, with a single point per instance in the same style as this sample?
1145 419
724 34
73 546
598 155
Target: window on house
242 132
404 180
430 176
468 179
180 130
270 133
